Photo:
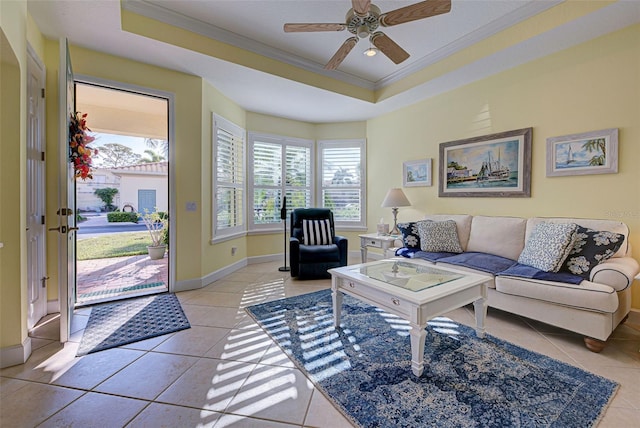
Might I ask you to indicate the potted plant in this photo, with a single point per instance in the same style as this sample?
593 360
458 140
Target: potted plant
156 223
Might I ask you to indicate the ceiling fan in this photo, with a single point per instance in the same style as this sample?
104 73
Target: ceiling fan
364 18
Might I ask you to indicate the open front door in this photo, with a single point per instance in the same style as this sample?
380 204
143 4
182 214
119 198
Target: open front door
67 198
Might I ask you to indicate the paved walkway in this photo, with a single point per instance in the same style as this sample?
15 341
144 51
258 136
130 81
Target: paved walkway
117 277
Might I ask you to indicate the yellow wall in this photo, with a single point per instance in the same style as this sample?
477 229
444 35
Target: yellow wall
187 144
216 257
13 69
592 86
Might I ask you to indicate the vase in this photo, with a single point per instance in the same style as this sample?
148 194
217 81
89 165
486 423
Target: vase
156 253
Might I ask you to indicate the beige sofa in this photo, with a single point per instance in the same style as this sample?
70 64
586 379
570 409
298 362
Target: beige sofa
592 308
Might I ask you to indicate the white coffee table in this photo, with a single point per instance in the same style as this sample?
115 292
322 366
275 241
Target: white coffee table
415 290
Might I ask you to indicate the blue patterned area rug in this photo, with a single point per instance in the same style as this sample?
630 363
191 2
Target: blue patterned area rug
128 321
364 368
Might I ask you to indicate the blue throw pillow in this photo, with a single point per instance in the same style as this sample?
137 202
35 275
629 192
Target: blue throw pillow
410 236
591 248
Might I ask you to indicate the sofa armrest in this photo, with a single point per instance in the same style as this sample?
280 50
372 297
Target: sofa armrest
617 272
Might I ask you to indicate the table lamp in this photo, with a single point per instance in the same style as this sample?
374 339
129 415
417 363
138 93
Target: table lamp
395 198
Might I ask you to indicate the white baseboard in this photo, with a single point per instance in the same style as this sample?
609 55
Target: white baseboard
53 306
16 354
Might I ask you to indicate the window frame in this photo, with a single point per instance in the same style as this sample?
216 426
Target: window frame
219 235
283 141
345 143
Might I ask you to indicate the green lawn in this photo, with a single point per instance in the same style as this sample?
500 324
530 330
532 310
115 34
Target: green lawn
113 245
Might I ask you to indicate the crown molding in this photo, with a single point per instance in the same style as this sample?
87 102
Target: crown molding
521 14
170 17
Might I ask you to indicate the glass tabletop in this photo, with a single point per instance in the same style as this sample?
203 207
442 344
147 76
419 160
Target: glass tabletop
411 276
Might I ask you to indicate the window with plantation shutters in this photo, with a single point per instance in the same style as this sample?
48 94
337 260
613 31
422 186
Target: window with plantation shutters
342 182
228 178
278 166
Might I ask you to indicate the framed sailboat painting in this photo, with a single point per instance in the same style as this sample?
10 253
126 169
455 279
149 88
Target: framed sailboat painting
496 165
594 152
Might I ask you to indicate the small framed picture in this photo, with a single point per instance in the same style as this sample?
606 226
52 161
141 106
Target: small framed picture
416 173
594 152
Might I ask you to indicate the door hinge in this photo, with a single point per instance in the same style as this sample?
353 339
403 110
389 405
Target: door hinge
65 211
42 156
42 92
42 220
44 281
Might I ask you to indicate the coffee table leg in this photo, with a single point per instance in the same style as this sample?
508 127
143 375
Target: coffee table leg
480 309
336 297
418 335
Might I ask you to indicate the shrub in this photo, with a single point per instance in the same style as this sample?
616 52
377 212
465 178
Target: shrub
106 194
120 217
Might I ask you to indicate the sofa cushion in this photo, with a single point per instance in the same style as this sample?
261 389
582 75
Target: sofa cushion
591 248
439 236
524 271
432 256
463 225
316 232
502 236
488 263
588 295
548 246
410 235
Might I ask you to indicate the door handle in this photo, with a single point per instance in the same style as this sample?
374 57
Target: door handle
73 228
61 229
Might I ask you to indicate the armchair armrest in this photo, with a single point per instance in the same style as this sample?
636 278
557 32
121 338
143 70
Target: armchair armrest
343 246
294 256
617 272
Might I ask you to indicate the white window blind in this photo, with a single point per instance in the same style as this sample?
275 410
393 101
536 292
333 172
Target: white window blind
342 184
280 166
228 180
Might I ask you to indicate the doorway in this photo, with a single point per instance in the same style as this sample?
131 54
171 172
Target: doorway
131 130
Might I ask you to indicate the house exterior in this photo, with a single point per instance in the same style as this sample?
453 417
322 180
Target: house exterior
593 85
142 186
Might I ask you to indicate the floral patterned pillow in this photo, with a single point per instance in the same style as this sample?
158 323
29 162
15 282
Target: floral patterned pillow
410 236
548 246
439 236
591 248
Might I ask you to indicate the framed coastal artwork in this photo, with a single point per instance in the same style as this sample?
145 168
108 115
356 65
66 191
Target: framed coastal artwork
496 165
416 173
594 152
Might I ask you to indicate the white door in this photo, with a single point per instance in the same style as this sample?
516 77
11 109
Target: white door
36 236
66 196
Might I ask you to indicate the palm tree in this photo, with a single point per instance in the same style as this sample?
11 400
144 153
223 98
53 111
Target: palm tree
151 156
154 144
596 145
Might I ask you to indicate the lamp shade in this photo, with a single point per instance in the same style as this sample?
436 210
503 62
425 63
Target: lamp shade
395 198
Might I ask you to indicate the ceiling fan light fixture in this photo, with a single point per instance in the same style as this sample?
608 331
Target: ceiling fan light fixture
371 52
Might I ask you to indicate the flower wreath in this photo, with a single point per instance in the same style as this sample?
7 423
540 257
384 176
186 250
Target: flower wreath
79 151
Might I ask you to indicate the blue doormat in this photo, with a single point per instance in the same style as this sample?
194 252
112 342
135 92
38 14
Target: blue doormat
364 369
128 321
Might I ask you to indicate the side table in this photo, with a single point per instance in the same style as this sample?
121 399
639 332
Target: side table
384 242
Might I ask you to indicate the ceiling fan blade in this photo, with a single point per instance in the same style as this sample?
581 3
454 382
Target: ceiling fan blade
342 53
361 7
389 47
310 27
421 10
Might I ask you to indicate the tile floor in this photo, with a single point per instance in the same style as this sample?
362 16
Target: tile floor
225 371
